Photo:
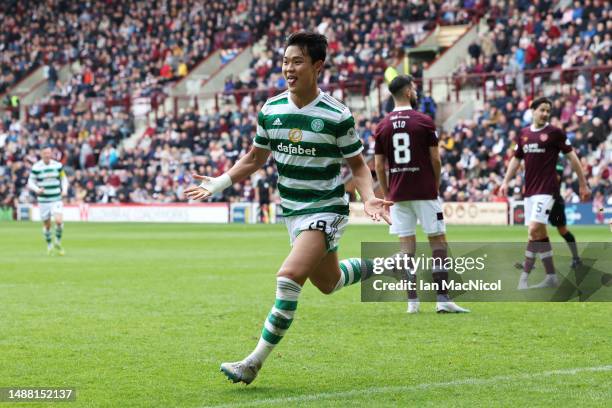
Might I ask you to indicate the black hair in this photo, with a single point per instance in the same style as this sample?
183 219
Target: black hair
311 43
399 83
539 101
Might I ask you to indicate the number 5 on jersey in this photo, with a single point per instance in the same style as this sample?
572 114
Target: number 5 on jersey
401 148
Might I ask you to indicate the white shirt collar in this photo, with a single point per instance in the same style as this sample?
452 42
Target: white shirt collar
534 129
401 108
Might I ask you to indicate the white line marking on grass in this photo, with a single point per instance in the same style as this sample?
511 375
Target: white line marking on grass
403 388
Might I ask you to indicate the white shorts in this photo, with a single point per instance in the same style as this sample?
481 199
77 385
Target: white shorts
537 208
49 209
404 216
331 224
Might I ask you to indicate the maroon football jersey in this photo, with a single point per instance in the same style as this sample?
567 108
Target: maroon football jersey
540 150
404 137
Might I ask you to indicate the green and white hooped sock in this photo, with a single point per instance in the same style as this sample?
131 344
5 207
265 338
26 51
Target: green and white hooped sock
59 228
279 319
353 270
47 235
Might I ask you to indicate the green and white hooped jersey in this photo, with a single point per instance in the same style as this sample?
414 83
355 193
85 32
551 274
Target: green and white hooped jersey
309 145
49 178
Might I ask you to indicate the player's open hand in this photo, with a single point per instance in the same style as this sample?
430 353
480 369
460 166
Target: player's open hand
503 190
585 193
377 209
198 192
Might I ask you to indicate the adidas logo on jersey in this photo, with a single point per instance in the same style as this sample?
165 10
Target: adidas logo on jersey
277 122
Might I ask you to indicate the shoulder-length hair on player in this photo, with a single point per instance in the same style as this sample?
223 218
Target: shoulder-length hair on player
537 102
311 43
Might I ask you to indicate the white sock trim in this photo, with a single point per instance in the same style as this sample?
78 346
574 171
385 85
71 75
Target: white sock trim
547 254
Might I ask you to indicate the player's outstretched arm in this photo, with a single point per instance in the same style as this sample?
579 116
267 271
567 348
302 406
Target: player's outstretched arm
247 165
380 165
585 192
510 173
374 207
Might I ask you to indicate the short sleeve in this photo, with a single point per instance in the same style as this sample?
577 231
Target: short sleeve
518 147
380 135
432 133
261 138
347 138
564 143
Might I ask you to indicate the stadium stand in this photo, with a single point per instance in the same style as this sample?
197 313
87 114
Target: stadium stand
362 38
476 151
89 116
126 47
533 36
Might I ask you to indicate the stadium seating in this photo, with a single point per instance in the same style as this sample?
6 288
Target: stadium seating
127 47
87 117
362 37
535 36
476 151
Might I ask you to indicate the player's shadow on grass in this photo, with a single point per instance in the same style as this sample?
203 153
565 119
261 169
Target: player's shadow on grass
255 390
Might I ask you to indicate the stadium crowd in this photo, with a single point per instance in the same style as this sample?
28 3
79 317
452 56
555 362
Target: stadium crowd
534 35
363 38
156 168
115 47
475 153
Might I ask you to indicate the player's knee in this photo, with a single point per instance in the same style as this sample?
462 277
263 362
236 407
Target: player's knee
562 230
437 239
537 232
291 273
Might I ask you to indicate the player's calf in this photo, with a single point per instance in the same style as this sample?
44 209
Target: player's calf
353 270
275 326
47 234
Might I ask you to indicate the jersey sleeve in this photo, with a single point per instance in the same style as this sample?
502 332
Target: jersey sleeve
518 147
563 143
63 179
32 182
262 140
432 133
346 136
380 134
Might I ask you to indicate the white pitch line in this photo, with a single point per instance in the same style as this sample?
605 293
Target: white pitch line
403 388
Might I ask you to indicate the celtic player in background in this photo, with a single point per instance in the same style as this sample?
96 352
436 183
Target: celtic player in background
309 134
48 181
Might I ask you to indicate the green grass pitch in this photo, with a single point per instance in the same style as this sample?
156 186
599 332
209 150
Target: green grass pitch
141 315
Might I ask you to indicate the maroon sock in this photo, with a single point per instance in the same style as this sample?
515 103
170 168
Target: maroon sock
530 254
439 274
412 294
545 250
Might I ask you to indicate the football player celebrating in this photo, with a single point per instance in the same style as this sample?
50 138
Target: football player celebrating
309 134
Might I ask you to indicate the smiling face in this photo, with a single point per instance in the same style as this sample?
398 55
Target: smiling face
299 71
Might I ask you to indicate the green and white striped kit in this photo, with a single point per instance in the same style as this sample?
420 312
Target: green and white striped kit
49 178
309 145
